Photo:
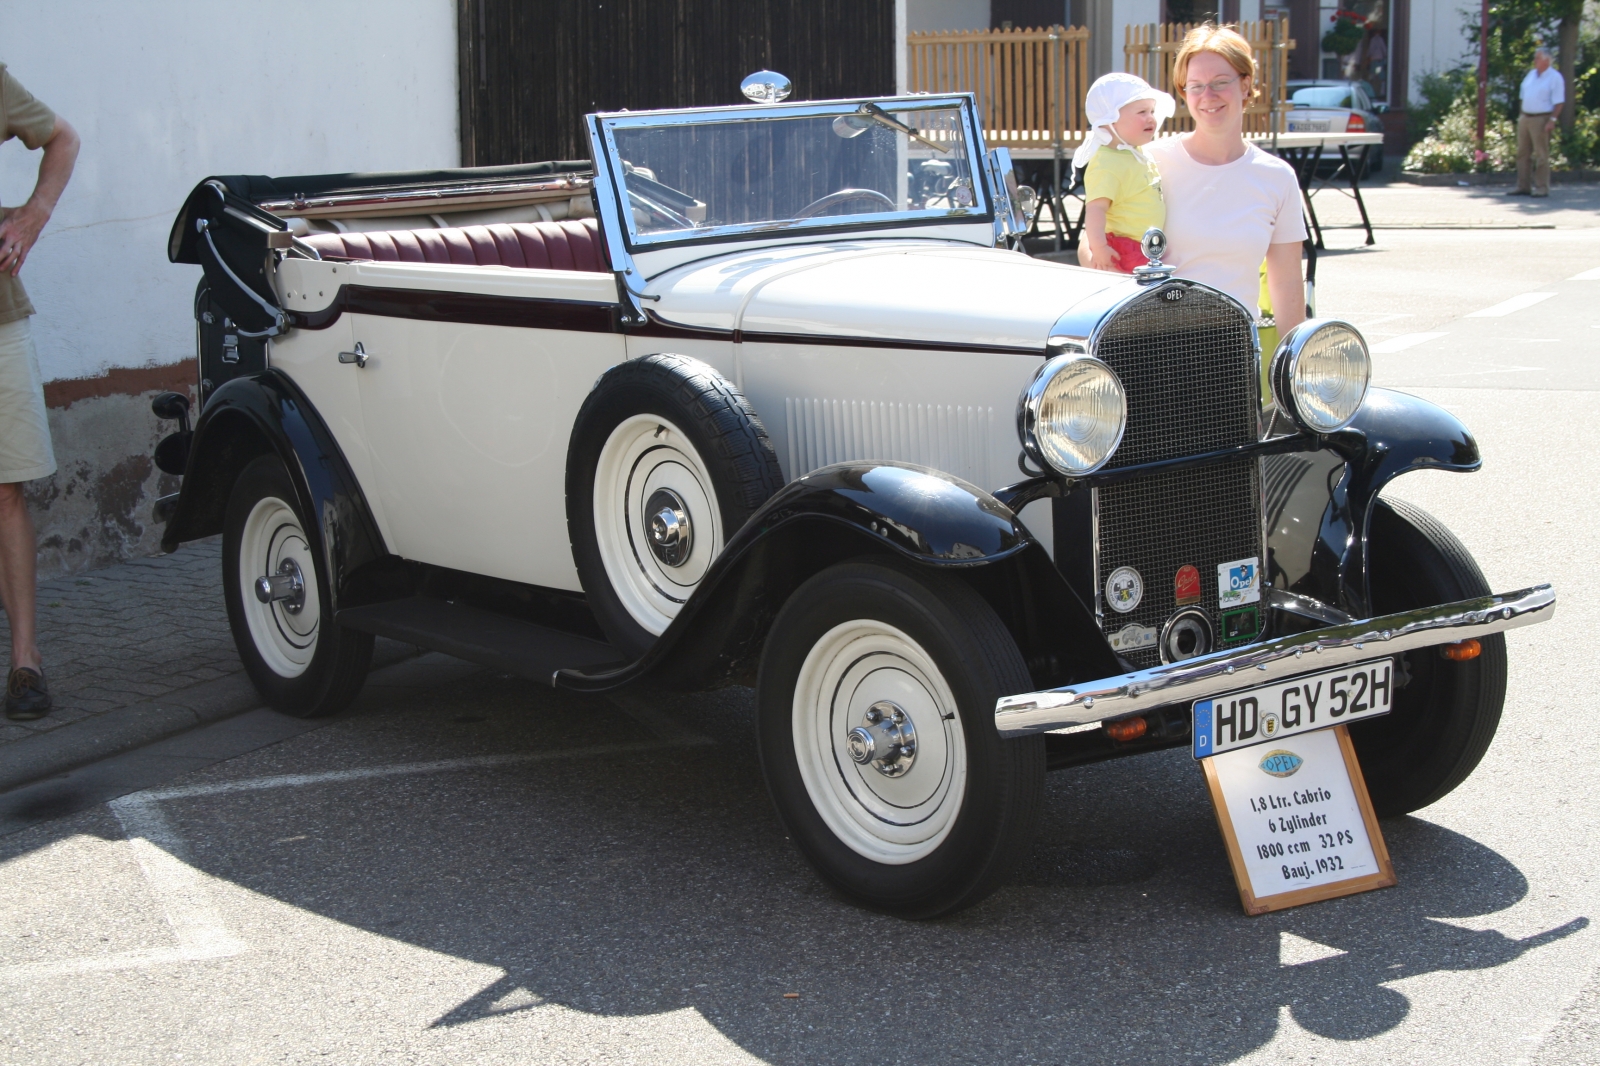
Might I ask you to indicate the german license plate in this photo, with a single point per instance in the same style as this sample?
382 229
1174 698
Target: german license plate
1309 126
1299 705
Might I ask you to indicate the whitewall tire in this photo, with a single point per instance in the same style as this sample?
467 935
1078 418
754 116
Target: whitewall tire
861 673
666 463
876 724
656 518
275 586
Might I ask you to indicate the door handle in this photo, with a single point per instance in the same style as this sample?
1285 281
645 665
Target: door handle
358 357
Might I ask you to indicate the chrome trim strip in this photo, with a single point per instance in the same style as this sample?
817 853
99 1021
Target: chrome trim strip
1270 661
612 229
314 205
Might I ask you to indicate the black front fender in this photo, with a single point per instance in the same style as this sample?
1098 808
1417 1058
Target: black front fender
262 414
1394 433
920 516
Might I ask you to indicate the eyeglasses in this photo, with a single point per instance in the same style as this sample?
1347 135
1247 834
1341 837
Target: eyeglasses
1218 86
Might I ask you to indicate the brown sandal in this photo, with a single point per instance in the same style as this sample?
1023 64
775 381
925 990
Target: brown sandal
27 695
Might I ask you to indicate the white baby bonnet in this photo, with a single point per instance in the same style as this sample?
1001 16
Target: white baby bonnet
1107 97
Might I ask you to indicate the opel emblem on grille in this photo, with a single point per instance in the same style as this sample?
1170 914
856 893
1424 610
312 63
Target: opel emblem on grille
1172 295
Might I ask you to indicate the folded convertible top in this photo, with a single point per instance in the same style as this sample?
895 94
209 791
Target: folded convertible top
258 188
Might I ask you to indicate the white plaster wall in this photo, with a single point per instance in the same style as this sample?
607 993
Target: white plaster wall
1123 14
1438 40
933 16
1249 10
165 94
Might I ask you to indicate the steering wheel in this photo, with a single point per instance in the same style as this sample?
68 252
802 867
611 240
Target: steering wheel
816 207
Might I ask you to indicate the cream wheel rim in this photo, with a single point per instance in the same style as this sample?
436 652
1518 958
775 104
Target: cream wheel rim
648 461
285 638
855 667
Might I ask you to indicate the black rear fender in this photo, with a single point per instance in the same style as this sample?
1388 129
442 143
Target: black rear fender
263 414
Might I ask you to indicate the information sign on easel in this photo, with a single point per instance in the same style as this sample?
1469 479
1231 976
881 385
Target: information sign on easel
1297 820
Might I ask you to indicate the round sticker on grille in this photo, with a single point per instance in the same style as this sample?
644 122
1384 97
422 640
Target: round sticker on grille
1124 589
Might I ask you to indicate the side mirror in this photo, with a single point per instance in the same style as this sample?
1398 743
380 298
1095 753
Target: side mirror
172 405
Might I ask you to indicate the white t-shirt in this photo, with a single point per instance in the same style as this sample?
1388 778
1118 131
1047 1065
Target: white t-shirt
1542 92
1220 220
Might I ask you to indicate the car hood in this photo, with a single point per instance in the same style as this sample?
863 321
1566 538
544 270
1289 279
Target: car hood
920 291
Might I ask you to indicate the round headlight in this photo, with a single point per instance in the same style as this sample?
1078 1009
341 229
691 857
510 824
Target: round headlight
1320 374
1072 415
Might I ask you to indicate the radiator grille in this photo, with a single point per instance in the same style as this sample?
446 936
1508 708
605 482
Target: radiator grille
1200 517
1190 371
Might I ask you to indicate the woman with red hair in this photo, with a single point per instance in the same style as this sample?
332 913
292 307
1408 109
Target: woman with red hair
1229 204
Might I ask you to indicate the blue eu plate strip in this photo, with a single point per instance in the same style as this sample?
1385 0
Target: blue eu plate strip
1202 729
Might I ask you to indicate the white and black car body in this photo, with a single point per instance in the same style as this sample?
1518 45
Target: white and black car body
556 420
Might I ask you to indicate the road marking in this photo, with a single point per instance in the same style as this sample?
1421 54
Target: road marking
1516 303
1404 341
258 784
1587 275
184 892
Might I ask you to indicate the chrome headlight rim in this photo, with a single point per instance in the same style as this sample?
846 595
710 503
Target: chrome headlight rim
1286 364
1028 413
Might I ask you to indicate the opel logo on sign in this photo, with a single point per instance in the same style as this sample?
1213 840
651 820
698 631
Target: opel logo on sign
1172 295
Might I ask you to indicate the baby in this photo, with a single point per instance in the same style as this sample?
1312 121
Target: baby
1122 186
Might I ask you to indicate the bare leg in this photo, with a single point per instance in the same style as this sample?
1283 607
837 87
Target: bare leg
18 563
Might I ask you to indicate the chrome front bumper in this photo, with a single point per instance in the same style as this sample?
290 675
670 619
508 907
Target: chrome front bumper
1272 660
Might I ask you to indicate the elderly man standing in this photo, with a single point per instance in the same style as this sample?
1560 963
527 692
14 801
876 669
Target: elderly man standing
25 452
1543 93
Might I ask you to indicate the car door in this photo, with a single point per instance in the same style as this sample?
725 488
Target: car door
468 418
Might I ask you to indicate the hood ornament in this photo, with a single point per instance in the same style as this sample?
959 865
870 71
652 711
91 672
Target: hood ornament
1153 245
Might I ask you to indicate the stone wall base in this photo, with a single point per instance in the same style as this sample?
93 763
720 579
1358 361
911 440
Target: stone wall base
95 509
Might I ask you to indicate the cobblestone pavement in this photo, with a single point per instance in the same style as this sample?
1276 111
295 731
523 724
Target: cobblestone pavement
129 633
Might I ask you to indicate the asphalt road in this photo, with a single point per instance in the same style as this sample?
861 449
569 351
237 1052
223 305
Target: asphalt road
472 868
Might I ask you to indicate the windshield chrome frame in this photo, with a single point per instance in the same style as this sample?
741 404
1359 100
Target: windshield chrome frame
610 188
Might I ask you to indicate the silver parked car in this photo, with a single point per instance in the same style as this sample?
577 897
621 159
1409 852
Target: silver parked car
1337 107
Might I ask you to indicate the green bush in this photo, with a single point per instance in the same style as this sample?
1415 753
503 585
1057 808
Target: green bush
1451 147
1444 109
1435 95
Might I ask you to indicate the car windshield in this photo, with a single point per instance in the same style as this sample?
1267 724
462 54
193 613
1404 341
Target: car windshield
1321 96
888 162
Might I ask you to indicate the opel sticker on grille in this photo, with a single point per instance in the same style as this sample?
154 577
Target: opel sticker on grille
1124 589
1186 585
1133 637
1238 583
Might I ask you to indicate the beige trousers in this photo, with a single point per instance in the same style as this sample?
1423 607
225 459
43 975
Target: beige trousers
1533 147
25 451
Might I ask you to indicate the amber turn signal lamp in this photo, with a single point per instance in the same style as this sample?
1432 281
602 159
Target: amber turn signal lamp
1461 651
1127 729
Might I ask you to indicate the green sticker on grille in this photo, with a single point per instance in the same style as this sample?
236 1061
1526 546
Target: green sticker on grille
1240 625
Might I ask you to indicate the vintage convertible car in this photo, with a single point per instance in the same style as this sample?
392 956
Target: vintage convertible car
745 400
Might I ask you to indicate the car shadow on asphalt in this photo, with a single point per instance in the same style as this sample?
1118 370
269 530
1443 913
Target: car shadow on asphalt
652 881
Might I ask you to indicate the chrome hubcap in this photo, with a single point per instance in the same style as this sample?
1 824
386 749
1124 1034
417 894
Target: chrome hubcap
287 586
886 739
671 534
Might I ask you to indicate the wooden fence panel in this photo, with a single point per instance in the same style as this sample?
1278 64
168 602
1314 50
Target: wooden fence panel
1029 83
1150 51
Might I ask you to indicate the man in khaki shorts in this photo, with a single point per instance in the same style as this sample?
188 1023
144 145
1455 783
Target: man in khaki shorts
25 452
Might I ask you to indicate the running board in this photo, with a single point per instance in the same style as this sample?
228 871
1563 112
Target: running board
471 633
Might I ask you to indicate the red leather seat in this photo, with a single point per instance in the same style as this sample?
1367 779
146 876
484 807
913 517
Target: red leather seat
570 244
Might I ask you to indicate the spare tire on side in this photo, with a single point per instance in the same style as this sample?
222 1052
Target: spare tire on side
667 461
